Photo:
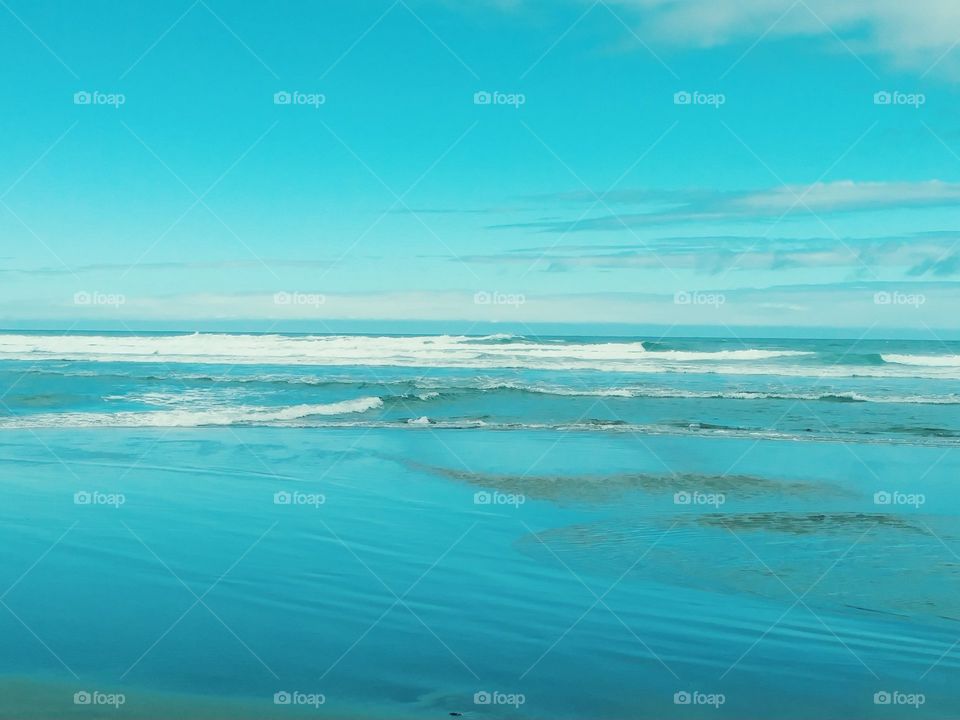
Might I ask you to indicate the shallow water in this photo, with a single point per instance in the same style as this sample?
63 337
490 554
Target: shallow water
595 571
692 589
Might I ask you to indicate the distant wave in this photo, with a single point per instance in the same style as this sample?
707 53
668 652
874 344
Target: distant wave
491 351
218 388
481 353
748 354
676 393
852 358
181 417
940 361
311 417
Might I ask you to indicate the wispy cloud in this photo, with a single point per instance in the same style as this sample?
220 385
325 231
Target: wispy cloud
912 36
915 36
919 254
645 207
939 267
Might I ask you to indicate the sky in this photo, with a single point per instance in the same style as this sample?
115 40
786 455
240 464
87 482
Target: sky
719 163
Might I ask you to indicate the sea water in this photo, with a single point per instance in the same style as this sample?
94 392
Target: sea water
350 526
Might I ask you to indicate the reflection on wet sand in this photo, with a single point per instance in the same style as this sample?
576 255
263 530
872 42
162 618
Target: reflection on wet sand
599 488
844 562
808 523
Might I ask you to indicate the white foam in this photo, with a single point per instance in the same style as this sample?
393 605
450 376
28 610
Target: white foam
187 417
452 351
346 350
943 361
726 394
749 354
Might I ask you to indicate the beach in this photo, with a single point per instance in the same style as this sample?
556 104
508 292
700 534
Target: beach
506 527
486 360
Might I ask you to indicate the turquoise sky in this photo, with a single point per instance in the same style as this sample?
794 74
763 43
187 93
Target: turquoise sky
786 192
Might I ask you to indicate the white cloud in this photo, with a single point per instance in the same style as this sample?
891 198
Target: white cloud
661 207
908 35
918 255
847 195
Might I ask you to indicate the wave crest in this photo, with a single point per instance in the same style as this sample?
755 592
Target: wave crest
181 417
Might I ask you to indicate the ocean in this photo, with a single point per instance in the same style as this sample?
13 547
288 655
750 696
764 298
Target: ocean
259 526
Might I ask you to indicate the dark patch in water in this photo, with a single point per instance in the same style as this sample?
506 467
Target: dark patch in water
873 563
840 398
704 426
923 431
807 523
855 359
43 400
589 488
